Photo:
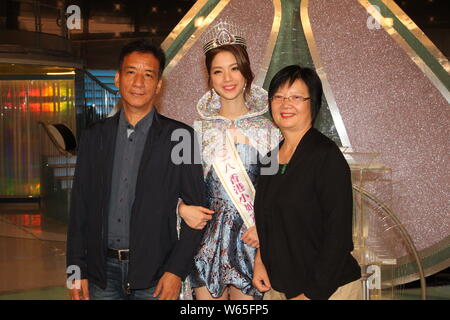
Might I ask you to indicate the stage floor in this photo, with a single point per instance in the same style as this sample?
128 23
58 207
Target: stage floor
32 255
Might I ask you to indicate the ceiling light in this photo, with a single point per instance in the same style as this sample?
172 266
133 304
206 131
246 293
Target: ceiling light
60 73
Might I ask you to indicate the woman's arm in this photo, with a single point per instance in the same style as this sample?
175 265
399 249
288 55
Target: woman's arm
260 277
250 237
195 217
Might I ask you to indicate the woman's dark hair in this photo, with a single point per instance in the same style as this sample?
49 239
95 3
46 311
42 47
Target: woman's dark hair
143 46
242 60
288 75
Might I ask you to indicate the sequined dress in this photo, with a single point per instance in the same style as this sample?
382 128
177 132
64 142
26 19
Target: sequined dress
223 258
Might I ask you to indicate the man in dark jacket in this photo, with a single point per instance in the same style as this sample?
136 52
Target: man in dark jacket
123 237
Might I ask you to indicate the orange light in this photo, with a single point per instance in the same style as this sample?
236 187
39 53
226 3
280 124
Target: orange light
34 107
34 93
36 220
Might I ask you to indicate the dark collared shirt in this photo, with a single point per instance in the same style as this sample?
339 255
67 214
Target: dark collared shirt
130 144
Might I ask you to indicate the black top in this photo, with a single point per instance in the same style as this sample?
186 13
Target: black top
154 245
304 221
130 144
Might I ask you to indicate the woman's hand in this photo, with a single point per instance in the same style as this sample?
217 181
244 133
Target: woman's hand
260 277
195 217
250 237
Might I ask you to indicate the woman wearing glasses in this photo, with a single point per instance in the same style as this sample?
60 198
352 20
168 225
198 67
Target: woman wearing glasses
304 212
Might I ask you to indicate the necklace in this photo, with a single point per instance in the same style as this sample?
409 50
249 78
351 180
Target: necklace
236 117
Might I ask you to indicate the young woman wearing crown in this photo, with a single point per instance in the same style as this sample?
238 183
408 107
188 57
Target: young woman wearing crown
234 134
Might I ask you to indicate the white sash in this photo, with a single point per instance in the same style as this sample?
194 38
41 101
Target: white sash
234 178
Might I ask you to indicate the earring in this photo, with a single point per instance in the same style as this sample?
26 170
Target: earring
213 92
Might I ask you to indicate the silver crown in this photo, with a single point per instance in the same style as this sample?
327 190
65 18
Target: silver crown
221 34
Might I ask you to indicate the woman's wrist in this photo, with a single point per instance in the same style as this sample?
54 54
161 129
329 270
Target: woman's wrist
180 209
258 257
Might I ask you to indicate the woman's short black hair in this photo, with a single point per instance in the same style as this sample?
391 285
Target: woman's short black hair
144 46
288 75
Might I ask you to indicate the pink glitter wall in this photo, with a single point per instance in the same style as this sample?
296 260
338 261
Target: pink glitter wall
188 81
389 106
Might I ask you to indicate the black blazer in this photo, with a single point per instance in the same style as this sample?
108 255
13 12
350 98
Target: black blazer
154 247
304 221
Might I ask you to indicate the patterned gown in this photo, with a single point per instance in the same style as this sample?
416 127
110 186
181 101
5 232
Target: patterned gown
223 258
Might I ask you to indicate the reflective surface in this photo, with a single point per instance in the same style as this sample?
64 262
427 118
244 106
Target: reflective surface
32 256
380 94
22 104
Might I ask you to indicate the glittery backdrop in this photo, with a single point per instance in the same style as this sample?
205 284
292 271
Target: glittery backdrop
187 82
389 106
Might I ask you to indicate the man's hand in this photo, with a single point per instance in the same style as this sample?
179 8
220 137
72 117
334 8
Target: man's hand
195 217
260 277
250 237
168 287
82 293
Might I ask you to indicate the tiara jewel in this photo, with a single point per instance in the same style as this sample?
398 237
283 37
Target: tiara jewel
221 34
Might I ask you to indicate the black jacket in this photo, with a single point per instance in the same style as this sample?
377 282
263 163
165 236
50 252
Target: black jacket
154 246
304 221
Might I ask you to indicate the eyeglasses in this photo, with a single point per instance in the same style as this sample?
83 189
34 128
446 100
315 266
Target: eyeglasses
294 99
